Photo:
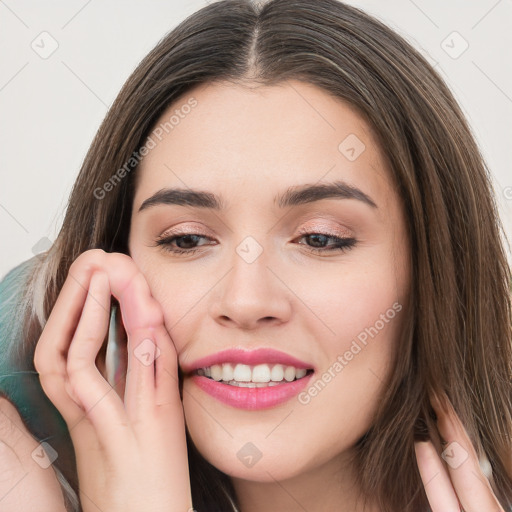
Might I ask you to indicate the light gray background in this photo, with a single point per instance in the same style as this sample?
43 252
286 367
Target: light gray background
50 108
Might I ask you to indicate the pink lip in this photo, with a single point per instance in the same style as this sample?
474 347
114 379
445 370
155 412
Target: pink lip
249 357
251 398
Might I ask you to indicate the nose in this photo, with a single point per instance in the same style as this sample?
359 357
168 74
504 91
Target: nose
251 295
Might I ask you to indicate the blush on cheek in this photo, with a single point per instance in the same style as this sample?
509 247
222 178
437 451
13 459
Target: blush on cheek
374 332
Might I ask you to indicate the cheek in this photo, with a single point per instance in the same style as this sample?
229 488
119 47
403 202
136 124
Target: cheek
358 320
364 312
348 301
179 293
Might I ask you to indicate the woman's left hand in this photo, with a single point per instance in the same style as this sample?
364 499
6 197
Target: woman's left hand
461 482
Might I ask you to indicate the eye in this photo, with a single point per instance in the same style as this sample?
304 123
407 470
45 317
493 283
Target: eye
186 243
319 241
181 239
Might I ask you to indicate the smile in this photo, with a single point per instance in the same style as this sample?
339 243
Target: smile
259 376
250 379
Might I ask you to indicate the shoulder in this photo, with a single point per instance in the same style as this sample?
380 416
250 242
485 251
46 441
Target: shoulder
12 286
12 282
27 482
13 376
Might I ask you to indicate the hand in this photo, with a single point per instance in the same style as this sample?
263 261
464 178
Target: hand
462 484
131 456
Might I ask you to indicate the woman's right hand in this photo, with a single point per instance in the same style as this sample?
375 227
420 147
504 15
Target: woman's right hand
132 454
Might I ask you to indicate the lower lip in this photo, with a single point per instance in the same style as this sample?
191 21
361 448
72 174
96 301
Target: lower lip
251 398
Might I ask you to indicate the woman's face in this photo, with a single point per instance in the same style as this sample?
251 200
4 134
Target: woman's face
261 268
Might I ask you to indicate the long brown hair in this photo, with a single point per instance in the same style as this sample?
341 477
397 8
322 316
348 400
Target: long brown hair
458 338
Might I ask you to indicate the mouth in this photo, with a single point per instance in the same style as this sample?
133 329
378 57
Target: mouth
257 376
250 379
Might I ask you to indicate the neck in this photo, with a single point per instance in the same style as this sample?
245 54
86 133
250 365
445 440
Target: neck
330 486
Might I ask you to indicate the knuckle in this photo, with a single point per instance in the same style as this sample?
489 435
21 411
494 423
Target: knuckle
88 260
51 383
126 264
49 376
156 313
38 360
121 257
43 364
75 366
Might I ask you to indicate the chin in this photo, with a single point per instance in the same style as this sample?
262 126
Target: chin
259 460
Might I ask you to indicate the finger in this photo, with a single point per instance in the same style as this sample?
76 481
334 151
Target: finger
142 315
146 317
152 396
51 350
61 324
50 355
436 481
140 311
100 402
169 410
166 378
471 486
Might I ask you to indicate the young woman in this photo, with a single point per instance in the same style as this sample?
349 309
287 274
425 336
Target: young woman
279 285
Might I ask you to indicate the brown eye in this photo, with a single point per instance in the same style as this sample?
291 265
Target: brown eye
180 243
187 243
319 242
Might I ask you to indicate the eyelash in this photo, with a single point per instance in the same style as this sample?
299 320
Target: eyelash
341 245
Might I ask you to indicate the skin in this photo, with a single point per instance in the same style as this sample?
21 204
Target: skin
23 480
309 305
192 306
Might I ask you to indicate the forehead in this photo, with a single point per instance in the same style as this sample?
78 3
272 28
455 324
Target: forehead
259 137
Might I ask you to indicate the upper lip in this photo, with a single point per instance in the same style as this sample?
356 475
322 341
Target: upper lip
249 357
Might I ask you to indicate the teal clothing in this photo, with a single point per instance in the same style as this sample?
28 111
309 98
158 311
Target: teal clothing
19 382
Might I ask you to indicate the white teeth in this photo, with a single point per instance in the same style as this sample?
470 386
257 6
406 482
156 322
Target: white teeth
289 373
260 375
216 372
300 372
227 372
242 373
277 373
251 384
245 384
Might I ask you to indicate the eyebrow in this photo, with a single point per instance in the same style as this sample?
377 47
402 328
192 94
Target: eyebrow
293 196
